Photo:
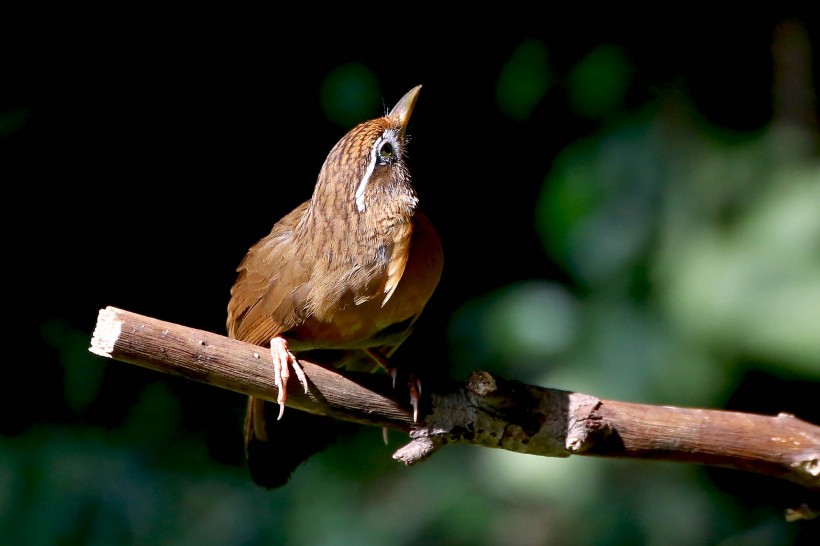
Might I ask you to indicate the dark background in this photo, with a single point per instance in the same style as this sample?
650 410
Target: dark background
143 155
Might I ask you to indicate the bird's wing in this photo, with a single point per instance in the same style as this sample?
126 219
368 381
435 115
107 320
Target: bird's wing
267 300
268 296
420 273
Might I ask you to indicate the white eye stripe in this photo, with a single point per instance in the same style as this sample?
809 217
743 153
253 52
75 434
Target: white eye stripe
371 165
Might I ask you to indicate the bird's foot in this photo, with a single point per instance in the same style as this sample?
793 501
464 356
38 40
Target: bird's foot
415 395
283 360
412 381
414 384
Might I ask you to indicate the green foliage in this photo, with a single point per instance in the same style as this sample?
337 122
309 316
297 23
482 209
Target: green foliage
597 85
12 120
83 374
524 79
349 94
597 206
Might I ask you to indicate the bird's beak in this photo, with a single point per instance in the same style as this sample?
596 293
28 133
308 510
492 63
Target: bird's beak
401 112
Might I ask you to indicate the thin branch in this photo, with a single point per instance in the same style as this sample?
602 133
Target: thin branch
487 410
241 367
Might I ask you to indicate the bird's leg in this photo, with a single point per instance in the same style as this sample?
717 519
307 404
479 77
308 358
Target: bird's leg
413 382
281 355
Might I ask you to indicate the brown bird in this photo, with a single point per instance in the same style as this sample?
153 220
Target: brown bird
349 270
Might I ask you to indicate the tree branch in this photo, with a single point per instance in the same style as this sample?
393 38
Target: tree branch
487 410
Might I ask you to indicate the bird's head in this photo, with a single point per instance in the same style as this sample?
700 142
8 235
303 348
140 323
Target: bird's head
366 173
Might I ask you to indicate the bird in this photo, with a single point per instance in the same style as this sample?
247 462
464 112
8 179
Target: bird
347 273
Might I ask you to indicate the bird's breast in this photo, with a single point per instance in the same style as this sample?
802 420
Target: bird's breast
357 304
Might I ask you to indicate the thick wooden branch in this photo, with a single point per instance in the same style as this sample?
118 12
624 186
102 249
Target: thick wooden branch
487 410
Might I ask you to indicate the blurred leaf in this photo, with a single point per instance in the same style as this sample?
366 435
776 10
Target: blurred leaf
407 506
76 486
754 287
155 418
598 84
513 330
628 352
524 80
597 207
83 371
12 120
350 94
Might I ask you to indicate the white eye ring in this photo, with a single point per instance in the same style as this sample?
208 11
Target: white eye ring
377 157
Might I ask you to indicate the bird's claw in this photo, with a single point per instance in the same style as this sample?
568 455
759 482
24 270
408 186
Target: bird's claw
414 384
283 360
415 396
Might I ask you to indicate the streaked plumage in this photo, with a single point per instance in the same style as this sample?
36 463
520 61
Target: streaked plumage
350 269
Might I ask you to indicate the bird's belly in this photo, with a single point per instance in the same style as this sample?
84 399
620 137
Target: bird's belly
353 327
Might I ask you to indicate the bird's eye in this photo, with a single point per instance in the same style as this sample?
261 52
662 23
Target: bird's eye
386 153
